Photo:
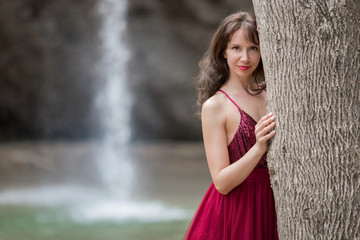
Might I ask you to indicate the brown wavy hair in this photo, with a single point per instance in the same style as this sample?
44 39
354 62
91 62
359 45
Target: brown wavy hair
214 70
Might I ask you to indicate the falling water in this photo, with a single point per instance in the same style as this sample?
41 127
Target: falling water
113 104
114 101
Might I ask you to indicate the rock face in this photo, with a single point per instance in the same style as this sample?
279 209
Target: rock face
167 39
47 79
50 54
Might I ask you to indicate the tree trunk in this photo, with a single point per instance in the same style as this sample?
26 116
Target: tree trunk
310 51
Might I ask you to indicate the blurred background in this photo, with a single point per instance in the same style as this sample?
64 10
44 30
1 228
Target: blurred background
98 134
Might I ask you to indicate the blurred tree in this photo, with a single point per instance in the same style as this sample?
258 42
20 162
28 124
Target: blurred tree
310 51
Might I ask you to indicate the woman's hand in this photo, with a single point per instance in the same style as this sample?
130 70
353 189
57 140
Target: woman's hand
262 131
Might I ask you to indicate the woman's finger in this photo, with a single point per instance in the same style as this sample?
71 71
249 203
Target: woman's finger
265 130
264 118
267 136
267 122
264 124
269 127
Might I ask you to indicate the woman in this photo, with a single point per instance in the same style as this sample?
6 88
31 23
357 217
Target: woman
239 203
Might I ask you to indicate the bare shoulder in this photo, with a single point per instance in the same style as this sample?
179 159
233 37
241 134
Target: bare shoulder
214 108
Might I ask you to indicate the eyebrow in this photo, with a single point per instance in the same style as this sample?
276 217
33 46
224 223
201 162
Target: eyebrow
253 44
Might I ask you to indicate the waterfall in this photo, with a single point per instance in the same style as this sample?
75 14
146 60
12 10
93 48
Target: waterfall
113 200
113 102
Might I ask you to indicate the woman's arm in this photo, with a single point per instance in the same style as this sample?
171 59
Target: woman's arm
227 176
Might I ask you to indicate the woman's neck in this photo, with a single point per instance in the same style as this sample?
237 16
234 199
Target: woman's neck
238 85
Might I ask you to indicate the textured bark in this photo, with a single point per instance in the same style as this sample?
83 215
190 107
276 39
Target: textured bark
310 50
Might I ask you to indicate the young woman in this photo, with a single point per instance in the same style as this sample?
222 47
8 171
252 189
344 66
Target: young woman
239 203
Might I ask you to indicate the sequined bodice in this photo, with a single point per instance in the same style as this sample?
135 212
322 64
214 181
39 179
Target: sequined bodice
244 139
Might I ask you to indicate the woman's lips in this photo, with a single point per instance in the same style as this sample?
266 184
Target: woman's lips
243 67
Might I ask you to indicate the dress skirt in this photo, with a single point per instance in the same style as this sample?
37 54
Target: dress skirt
247 212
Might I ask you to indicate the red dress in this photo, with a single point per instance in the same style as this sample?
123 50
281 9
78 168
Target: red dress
246 212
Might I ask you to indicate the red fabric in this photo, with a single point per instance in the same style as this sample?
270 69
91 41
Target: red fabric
248 211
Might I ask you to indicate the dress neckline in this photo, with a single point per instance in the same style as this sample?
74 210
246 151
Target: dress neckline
242 112
248 116
240 124
227 95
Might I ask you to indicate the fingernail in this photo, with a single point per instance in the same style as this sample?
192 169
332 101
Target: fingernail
270 114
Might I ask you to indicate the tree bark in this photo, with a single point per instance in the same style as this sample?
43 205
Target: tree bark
310 51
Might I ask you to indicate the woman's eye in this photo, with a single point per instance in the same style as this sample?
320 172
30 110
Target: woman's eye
253 48
235 48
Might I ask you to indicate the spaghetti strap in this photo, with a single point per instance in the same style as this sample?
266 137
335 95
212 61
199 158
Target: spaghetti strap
230 98
242 111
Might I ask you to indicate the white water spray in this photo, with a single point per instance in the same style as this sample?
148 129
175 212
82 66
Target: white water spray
114 101
113 104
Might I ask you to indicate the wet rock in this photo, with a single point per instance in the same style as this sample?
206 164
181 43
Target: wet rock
47 79
167 39
49 66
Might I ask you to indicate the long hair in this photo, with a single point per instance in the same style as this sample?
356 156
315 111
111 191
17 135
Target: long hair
214 70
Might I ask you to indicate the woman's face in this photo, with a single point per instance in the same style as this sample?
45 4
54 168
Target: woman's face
242 55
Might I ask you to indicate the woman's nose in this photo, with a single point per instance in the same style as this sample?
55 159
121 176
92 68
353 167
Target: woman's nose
245 56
